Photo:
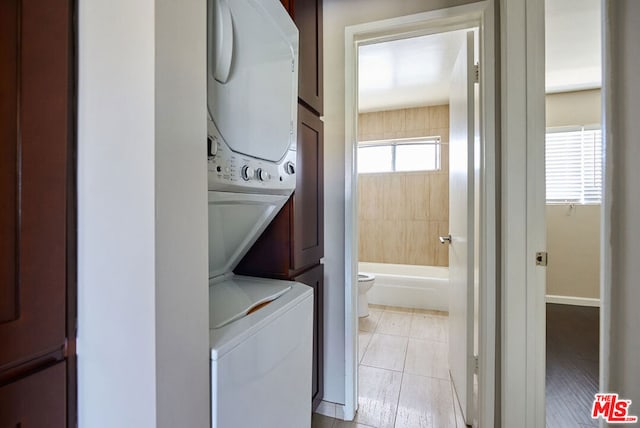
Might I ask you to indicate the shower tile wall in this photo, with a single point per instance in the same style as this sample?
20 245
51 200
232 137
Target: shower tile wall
401 215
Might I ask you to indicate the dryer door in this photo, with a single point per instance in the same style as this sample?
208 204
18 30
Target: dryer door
236 221
252 76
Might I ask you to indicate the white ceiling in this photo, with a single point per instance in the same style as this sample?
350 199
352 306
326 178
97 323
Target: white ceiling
573 45
407 73
416 71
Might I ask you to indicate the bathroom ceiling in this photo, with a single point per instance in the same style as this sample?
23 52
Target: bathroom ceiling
407 73
416 71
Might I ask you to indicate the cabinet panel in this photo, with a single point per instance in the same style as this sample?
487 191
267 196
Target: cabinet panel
308 18
308 199
315 278
37 131
36 401
34 163
9 142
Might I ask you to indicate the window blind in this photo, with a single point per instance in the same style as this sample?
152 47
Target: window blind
574 166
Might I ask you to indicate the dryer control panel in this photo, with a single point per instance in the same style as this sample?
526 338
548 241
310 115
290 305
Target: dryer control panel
234 172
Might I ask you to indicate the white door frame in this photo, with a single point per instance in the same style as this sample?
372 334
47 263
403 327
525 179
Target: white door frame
523 232
480 14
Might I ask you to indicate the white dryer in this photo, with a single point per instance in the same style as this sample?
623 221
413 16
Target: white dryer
260 329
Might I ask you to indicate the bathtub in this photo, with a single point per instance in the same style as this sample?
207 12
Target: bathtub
409 286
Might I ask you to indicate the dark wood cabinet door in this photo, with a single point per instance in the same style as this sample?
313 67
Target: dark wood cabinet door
307 15
37 232
35 134
314 277
308 198
37 401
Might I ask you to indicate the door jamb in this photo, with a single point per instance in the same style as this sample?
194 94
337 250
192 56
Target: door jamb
522 297
482 15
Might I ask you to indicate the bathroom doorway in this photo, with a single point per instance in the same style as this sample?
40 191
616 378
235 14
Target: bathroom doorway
403 209
391 200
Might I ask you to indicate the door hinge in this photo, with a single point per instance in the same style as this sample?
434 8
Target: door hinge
541 258
476 73
476 364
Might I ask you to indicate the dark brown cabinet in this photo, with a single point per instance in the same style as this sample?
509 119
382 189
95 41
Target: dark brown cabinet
294 241
307 14
37 220
35 401
314 278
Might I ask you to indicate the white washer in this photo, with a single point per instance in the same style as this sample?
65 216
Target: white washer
261 363
261 356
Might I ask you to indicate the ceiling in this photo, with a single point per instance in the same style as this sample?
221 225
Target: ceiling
573 45
415 72
407 73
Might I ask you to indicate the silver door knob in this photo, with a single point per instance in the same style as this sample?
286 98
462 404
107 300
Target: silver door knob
445 239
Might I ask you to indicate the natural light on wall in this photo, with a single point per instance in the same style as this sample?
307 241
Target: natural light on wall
421 154
574 165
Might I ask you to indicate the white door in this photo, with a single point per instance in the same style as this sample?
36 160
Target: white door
461 226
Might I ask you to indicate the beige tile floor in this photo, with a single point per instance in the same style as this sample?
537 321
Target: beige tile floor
403 371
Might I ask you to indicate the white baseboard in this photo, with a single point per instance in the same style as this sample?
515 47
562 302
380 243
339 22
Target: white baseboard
576 301
333 410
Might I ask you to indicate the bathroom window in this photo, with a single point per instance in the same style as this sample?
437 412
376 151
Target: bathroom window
421 154
574 165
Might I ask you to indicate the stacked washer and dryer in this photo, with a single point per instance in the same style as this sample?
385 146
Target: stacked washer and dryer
260 329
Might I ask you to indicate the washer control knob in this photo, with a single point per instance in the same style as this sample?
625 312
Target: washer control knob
263 175
247 173
290 168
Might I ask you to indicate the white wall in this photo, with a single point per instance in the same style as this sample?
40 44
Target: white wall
573 234
182 264
142 261
339 14
573 244
620 367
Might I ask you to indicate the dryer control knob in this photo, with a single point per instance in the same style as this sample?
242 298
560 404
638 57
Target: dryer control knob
263 175
290 168
247 173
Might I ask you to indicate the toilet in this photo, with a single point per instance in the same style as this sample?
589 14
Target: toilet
365 282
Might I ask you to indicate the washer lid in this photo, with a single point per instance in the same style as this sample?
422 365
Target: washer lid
236 297
236 221
252 76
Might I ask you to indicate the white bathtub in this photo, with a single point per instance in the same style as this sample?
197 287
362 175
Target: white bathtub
409 286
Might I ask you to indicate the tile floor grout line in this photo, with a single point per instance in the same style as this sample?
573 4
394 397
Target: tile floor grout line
395 417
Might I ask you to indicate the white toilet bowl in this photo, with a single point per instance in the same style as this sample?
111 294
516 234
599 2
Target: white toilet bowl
365 282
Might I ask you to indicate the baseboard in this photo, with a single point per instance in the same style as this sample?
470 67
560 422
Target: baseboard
333 410
576 301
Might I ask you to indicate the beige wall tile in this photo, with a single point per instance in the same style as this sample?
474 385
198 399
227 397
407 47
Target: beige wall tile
372 243
371 196
439 197
420 250
395 201
394 238
394 120
417 196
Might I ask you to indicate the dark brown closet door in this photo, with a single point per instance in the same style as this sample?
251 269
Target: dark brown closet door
36 191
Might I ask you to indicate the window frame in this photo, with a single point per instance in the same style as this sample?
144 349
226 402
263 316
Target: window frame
434 140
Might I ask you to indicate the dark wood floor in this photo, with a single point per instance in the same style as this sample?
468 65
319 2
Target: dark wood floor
572 365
